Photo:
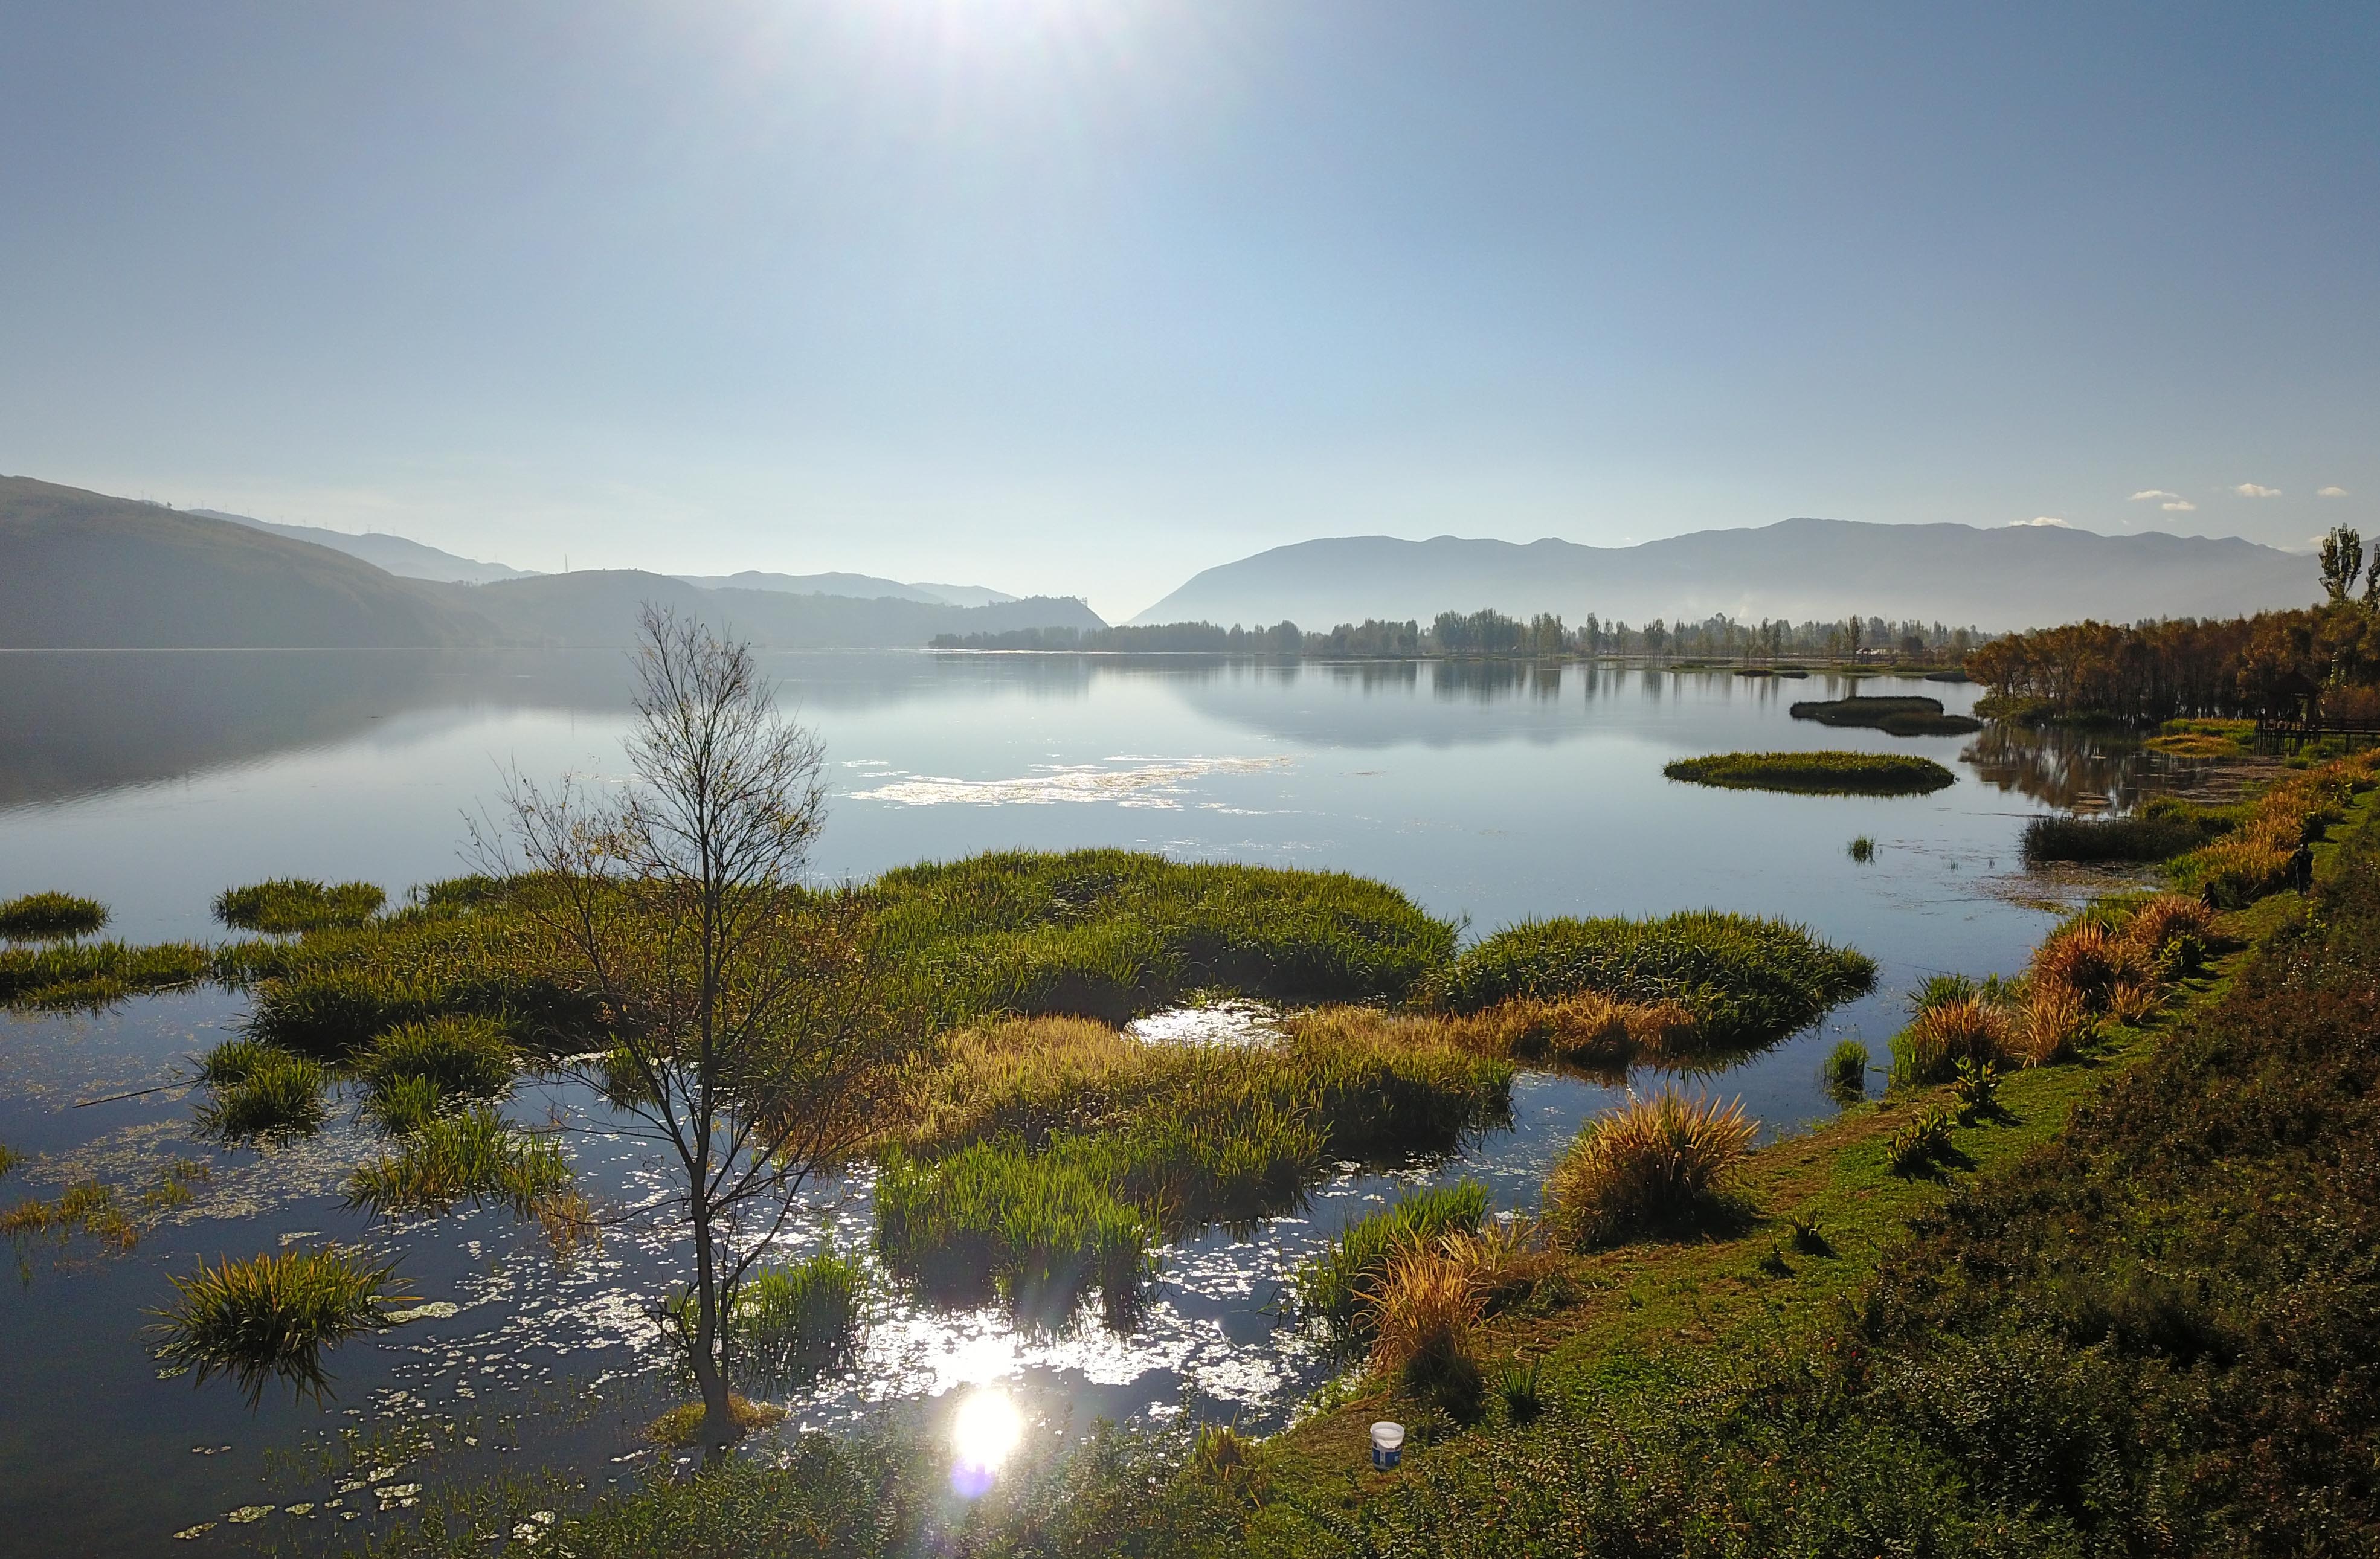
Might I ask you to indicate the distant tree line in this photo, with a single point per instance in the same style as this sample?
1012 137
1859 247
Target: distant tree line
2322 661
1491 633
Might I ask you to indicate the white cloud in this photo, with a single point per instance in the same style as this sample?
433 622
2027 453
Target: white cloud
2179 505
2249 489
2332 492
2153 492
2042 519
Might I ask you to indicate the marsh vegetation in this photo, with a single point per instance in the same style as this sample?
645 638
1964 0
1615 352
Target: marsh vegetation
1897 716
270 1317
289 904
1815 772
48 917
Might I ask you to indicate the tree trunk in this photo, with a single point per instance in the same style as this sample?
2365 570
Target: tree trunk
718 1416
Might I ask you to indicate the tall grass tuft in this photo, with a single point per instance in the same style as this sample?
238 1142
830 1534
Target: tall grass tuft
794 1320
1745 980
1656 1163
267 1093
47 916
1845 1071
1039 1230
475 1156
1330 1286
2127 838
467 1056
298 904
271 1317
1948 1033
1421 1313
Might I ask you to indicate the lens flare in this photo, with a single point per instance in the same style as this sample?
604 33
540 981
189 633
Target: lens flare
984 1432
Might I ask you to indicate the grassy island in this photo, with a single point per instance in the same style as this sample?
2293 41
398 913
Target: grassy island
49 917
1816 773
1898 716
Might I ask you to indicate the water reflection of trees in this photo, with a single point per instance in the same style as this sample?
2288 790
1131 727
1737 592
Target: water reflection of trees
2058 765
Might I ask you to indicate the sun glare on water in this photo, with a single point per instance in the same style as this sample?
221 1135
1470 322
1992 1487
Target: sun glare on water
984 1432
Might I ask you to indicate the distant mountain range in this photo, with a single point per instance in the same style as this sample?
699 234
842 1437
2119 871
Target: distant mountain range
84 570
863 587
2014 578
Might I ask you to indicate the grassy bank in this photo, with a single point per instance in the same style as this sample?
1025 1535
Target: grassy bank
2127 1309
1816 773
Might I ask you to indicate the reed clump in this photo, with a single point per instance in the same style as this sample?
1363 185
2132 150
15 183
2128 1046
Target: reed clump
88 1206
94 974
1816 773
1039 1230
290 905
263 1092
1657 1162
1944 1033
799 1319
475 1155
459 1055
1421 1313
47 916
2126 838
271 1317
1332 1284
1745 982
1845 1070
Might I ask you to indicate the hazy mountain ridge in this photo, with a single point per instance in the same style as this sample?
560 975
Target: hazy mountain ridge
85 570
399 556
862 587
2011 578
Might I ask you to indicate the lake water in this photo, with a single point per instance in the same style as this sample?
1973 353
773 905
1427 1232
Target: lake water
1487 792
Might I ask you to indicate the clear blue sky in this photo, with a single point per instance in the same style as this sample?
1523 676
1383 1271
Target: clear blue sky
1085 295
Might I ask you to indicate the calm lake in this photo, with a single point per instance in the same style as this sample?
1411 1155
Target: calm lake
1492 792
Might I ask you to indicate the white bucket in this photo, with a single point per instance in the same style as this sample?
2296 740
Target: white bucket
1388 1445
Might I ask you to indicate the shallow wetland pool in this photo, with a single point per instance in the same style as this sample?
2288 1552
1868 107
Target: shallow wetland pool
1487 792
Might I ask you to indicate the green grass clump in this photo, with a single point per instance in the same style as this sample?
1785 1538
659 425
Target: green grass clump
1863 849
92 974
461 1056
475 1156
298 904
1331 1286
1845 1071
2124 838
1922 1141
270 1317
1904 716
410 1103
47 916
1115 934
1748 981
1038 1229
1816 773
796 1320
90 1206
267 1093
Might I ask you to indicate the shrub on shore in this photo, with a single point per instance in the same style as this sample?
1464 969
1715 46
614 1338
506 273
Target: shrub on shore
1657 1162
1815 772
272 1315
48 917
287 904
1745 982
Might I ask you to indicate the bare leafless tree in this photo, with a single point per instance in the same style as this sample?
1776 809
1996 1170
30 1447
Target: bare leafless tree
741 1029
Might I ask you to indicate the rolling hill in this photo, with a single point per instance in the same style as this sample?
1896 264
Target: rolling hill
393 554
83 570
2014 578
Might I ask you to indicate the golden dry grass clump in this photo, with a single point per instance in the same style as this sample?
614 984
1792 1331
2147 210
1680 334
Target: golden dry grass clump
1585 1028
1421 1315
1971 1028
1654 1161
2172 930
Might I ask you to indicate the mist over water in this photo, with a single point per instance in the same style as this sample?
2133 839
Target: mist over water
1492 792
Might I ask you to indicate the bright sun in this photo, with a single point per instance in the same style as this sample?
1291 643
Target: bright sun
984 1432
